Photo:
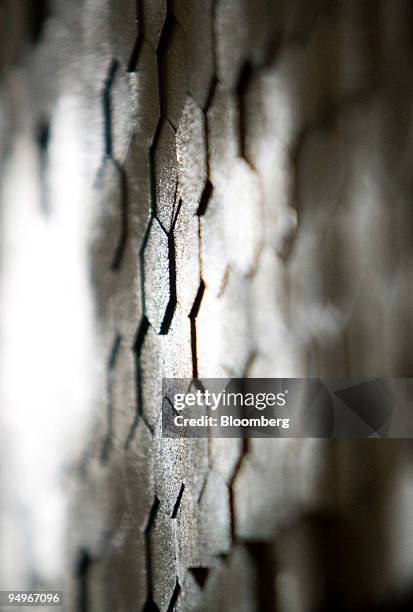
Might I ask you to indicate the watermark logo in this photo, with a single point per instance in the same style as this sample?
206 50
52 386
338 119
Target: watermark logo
292 407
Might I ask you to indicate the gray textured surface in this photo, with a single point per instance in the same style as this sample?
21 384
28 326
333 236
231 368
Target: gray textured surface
257 155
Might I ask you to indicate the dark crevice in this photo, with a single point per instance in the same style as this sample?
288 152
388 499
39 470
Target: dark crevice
192 316
107 107
241 92
140 336
152 165
109 389
39 12
171 406
43 135
150 606
152 515
173 126
174 597
200 574
263 554
43 139
214 40
214 80
170 309
161 55
203 489
134 56
120 248
211 93
200 246
175 211
178 502
82 574
205 197
142 262
237 468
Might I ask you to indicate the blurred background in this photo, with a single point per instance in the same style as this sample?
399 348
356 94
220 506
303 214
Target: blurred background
205 188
